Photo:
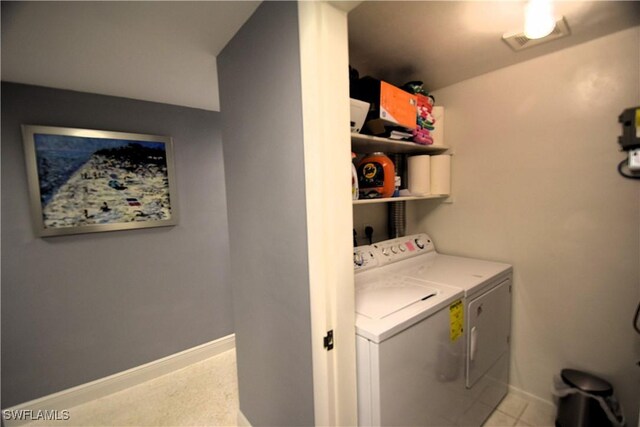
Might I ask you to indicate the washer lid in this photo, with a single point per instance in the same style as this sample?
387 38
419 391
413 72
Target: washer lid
387 304
379 299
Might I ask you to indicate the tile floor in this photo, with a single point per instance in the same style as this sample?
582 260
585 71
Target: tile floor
206 394
516 410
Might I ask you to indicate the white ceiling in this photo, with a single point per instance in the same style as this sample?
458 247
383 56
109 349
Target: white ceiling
156 51
166 51
445 42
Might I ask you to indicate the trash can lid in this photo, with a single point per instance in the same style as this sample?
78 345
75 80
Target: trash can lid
586 382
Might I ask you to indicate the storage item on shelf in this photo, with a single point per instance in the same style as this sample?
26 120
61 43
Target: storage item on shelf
359 111
441 174
422 134
390 105
376 176
419 168
354 76
396 188
355 192
425 125
398 135
438 133
399 162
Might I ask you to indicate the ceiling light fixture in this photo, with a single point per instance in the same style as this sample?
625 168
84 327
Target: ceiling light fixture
538 19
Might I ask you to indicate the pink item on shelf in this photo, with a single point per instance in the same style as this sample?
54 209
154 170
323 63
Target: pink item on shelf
422 136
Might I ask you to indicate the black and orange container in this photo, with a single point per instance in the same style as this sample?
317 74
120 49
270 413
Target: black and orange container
376 176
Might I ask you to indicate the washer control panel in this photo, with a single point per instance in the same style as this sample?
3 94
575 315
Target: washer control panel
404 247
388 251
365 258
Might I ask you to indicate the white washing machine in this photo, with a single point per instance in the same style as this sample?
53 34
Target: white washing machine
432 335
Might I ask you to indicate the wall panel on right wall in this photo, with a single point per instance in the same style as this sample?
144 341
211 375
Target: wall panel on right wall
535 184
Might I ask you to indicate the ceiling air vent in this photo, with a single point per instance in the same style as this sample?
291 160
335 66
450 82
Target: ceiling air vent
518 41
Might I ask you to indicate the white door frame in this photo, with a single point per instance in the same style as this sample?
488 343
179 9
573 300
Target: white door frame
327 147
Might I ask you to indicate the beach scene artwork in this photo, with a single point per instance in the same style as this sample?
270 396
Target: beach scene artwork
86 182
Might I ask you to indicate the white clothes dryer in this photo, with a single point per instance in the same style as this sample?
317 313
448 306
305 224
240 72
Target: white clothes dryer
464 370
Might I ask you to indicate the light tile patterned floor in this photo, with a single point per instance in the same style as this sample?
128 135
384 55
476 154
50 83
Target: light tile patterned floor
206 394
515 410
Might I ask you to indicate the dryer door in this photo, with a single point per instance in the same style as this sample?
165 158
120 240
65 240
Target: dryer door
488 330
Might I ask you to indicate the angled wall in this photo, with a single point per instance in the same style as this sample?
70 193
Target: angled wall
260 94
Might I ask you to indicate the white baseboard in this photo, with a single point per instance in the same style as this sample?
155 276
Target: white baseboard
83 393
242 420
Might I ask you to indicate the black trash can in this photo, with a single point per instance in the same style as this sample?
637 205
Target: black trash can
584 409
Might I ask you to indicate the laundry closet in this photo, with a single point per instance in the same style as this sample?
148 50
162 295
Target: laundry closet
433 332
518 192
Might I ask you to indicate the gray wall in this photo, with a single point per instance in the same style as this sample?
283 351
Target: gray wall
78 308
260 98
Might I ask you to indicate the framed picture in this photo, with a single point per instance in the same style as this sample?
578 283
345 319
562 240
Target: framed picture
86 181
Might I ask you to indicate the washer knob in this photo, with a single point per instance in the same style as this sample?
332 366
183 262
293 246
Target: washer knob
385 251
394 249
419 243
402 247
357 259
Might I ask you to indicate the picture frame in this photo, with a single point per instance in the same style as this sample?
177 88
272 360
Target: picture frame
88 181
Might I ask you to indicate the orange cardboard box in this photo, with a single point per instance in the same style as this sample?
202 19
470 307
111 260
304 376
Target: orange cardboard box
397 107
